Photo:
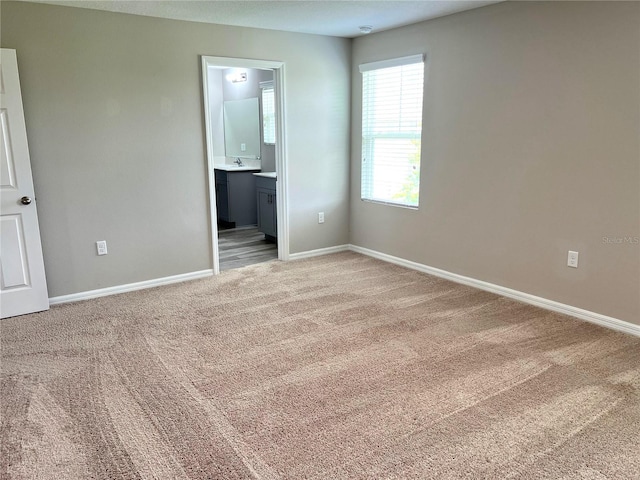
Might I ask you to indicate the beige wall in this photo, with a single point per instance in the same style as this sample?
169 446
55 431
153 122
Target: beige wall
530 149
531 144
113 106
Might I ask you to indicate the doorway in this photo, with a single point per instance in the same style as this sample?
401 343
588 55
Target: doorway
237 170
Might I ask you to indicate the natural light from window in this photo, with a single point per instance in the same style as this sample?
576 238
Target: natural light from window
392 130
268 113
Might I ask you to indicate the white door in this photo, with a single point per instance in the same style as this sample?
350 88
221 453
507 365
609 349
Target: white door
23 287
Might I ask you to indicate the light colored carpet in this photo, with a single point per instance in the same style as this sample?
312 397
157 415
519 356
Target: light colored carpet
328 368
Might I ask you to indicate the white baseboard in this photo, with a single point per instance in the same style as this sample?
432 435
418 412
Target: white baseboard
130 287
319 251
597 318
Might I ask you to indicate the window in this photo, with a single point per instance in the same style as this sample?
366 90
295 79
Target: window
392 130
268 113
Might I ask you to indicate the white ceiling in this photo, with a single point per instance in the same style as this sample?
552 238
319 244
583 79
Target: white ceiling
339 18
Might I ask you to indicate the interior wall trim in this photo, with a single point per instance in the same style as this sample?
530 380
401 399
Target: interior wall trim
132 287
552 305
592 317
282 185
129 287
319 251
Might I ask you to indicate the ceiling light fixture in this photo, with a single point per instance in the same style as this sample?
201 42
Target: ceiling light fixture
237 77
366 29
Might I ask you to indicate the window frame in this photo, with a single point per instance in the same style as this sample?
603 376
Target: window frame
268 86
367 178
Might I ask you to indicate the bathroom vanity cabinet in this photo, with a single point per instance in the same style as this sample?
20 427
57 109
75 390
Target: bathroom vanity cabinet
266 205
236 197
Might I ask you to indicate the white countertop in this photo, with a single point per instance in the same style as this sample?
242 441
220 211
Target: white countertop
266 174
235 168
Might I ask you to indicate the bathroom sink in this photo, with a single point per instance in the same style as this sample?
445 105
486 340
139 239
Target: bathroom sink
236 168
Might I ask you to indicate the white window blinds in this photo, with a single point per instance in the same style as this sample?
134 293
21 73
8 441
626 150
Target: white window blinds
392 130
268 113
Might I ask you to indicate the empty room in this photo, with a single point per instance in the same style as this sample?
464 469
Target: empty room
319 239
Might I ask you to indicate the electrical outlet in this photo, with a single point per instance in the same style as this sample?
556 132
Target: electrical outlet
243 147
321 217
572 260
101 246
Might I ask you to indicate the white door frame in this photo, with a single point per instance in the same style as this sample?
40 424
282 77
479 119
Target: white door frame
282 194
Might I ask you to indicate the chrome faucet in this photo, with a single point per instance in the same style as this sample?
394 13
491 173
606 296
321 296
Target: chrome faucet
239 162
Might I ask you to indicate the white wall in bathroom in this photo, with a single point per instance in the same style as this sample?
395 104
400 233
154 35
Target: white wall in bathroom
250 89
216 100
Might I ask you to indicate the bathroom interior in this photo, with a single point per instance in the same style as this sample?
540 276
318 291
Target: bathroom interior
242 112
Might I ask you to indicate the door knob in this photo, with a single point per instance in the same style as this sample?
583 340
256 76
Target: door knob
25 200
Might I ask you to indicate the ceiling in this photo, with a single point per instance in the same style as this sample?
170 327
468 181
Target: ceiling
339 18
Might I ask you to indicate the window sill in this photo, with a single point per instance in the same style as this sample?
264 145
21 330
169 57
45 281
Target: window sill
390 204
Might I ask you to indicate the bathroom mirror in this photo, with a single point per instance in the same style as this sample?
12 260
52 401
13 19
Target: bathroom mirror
242 128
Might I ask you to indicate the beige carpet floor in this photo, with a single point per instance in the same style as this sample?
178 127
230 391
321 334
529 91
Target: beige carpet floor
328 368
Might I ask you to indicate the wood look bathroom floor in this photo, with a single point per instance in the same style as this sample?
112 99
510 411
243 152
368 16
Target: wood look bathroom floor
239 247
